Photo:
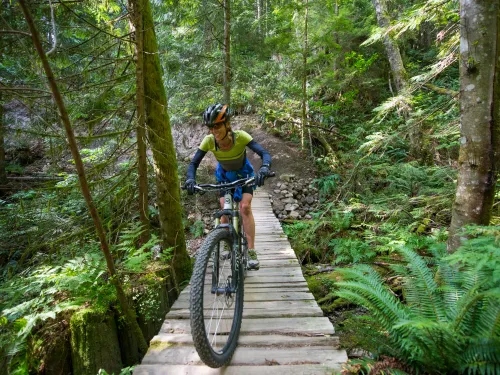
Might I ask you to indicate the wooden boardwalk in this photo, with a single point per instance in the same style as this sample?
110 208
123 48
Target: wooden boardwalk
283 329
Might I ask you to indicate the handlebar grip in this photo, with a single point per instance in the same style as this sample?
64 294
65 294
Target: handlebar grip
272 174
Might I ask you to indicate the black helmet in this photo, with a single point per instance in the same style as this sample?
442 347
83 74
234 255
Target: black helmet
216 114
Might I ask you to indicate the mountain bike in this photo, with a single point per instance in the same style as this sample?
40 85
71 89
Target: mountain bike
216 294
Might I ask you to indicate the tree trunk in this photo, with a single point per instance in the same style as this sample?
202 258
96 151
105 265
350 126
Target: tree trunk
304 78
479 156
164 159
114 277
142 164
227 52
399 76
3 173
391 47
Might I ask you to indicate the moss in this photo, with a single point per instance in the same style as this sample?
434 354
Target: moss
316 286
160 345
94 343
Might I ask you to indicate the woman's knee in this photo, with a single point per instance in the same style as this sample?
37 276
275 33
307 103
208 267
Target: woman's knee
246 208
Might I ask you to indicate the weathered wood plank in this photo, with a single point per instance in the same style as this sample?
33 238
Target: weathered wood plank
272 296
237 370
254 340
303 312
183 355
291 305
274 279
298 326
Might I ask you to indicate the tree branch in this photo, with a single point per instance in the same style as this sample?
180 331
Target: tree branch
95 26
441 90
15 32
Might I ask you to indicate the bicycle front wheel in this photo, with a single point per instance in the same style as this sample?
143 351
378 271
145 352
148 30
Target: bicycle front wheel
216 299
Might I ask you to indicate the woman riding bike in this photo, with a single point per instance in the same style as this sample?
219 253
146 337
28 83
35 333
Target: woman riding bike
229 148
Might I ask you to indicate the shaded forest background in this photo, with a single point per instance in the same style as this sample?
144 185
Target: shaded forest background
381 135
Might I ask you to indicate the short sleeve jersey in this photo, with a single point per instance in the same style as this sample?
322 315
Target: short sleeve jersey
232 159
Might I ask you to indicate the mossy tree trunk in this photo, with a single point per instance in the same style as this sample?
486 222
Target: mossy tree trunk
399 75
142 165
128 313
161 142
391 47
3 173
479 158
227 52
304 77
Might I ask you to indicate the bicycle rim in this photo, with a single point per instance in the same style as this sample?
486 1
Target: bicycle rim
215 309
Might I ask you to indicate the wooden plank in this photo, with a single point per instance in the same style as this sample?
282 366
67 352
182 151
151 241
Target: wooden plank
291 305
273 279
299 326
273 296
254 341
280 263
280 271
256 288
303 312
236 370
183 355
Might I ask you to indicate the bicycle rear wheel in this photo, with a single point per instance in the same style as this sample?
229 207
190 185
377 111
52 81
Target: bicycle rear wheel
216 307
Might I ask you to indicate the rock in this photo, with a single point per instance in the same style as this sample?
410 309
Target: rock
277 191
294 215
308 217
310 200
287 177
291 207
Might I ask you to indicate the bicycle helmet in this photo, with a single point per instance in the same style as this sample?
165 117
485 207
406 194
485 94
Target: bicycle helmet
216 114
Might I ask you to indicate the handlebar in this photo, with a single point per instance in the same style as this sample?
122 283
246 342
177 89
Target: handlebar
226 186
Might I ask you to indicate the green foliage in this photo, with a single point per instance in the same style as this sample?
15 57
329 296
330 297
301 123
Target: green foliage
349 250
326 185
41 293
197 228
448 322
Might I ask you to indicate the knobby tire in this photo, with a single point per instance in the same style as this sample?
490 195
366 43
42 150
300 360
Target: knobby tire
204 305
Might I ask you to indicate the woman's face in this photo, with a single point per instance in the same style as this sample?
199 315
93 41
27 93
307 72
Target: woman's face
219 131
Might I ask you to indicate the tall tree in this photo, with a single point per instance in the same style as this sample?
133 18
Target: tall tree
142 165
391 47
3 173
227 52
164 159
305 53
127 311
479 158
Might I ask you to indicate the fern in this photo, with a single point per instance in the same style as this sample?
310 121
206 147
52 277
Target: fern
449 321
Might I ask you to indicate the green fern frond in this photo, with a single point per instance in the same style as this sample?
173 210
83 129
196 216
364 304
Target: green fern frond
381 302
421 288
482 356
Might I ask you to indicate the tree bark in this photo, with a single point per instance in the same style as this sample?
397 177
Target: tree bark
142 165
304 77
3 172
128 313
227 52
479 157
164 159
391 47
416 133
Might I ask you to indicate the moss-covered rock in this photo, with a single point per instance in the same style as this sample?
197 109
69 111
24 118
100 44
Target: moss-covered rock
94 343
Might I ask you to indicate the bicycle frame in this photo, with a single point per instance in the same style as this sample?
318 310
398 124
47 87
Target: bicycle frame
232 211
